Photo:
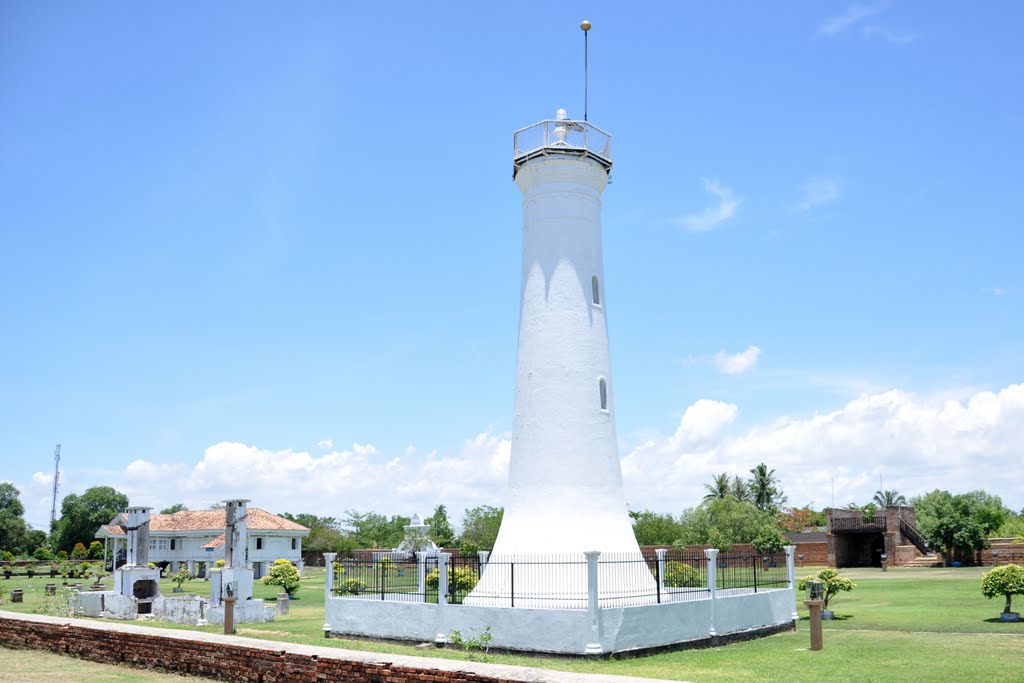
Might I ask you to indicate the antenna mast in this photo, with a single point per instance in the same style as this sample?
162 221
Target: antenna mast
56 483
585 26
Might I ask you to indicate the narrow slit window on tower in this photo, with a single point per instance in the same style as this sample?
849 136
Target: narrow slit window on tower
602 386
597 290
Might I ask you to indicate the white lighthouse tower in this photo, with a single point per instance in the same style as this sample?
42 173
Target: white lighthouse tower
565 480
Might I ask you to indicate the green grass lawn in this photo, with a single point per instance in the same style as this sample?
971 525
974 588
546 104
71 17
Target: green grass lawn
900 625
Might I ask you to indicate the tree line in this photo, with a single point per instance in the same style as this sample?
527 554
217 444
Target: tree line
734 510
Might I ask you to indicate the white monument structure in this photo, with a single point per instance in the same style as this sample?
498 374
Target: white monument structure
235 579
565 480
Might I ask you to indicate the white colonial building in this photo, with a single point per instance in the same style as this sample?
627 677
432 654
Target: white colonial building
195 538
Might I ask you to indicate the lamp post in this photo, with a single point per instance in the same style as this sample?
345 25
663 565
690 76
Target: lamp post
814 603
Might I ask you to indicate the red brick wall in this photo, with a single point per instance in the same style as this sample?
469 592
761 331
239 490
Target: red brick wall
814 553
214 657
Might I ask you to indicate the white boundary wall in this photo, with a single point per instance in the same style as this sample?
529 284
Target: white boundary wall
593 630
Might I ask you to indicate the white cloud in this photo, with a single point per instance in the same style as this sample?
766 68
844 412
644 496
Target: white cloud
853 14
818 191
737 363
325 444
889 35
712 215
917 443
995 291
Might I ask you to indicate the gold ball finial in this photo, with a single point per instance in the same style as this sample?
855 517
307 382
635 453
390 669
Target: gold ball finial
585 25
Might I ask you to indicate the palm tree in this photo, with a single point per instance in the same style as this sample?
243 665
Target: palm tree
719 486
762 488
740 489
889 497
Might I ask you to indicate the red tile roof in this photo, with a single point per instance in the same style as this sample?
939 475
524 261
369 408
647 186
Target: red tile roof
207 520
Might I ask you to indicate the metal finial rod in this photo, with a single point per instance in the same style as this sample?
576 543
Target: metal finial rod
585 26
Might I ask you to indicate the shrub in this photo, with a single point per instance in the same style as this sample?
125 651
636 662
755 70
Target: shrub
62 555
284 574
460 578
79 552
42 553
385 565
680 575
8 556
181 576
353 586
218 564
1006 580
95 551
769 540
831 583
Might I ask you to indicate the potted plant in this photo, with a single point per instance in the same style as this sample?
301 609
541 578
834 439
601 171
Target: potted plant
831 585
179 578
1006 580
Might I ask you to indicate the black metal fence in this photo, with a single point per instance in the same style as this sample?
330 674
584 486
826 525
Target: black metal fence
751 571
387 579
560 581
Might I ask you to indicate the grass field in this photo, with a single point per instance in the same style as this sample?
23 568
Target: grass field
900 625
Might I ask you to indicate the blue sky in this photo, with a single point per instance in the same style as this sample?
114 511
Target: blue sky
272 250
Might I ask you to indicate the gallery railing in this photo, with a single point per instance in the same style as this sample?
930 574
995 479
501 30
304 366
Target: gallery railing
859 523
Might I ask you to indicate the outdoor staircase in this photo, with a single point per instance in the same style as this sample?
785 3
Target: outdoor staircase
927 560
914 535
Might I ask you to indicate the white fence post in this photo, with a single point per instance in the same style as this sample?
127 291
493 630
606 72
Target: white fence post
328 589
421 574
442 594
593 608
712 555
660 552
483 555
791 572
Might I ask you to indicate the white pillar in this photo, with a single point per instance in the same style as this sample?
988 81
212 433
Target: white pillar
660 552
328 588
593 604
421 573
791 573
442 594
301 566
712 555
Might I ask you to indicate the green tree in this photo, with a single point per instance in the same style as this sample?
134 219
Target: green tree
325 536
95 551
441 530
769 539
373 530
794 520
651 528
177 507
284 574
1006 580
958 525
764 490
13 528
740 489
889 497
719 486
480 526
81 516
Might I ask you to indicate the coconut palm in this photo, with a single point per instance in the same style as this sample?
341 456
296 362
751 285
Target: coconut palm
719 486
762 488
740 489
889 497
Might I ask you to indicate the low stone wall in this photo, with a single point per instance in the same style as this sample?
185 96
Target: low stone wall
232 658
1010 552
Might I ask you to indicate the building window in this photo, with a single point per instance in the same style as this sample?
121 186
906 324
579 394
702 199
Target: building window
172 544
293 544
602 386
158 544
596 289
259 543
